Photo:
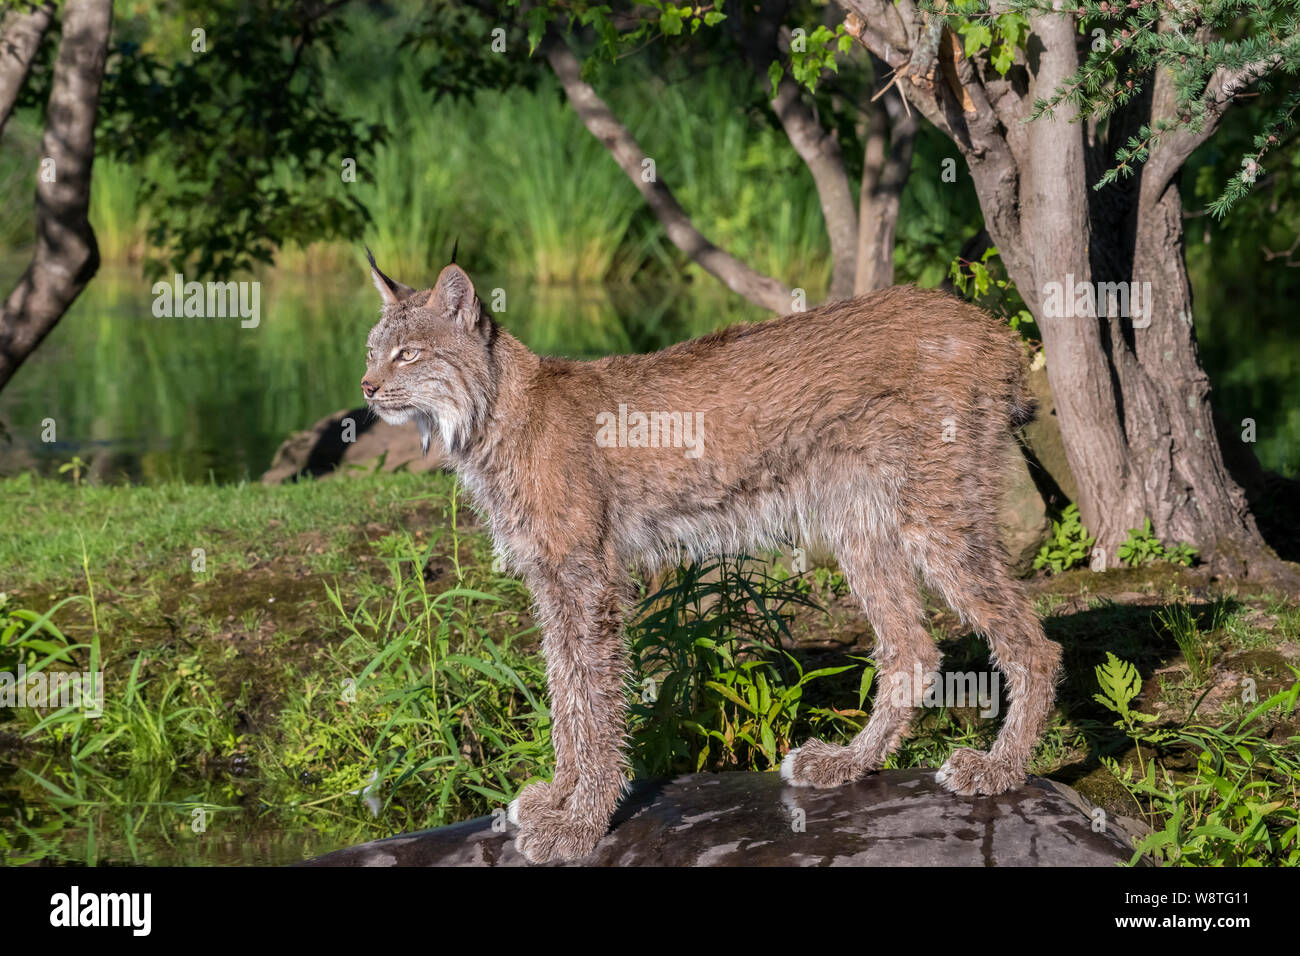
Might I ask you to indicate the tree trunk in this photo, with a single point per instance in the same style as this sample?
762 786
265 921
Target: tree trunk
886 165
1130 394
601 122
820 152
1169 425
21 34
66 254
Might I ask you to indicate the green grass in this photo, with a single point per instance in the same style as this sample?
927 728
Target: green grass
425 692
1183 625
141 532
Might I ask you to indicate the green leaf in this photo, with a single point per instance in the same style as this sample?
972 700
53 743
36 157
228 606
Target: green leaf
769 742
864 687
774 74
537 19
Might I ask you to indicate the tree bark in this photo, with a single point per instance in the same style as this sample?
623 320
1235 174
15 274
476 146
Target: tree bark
66 254
21 34
1132 398
886 165
820 152
760 33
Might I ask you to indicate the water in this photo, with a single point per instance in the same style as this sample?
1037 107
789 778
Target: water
68 817
201 399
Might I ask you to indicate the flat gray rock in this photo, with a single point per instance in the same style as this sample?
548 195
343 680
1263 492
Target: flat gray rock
896 818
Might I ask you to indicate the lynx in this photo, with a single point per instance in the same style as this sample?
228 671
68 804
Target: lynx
875 428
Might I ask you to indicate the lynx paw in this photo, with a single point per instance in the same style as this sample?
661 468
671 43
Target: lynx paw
968 772
547 830
819 764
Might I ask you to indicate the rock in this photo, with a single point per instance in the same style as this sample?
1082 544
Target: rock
321 450
1043 439
895 818
1023 518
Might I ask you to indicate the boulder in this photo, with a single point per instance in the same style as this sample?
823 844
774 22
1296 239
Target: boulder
894 818
1023 519
325 448
1046 447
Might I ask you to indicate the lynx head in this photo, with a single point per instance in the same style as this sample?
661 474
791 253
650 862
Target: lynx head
429 360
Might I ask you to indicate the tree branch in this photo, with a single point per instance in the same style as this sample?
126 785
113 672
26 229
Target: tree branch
66 255
882 28
821 154
885 169
1174 148
605 126
20 39
764 39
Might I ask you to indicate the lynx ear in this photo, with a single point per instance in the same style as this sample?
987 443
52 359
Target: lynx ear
390 290
453 296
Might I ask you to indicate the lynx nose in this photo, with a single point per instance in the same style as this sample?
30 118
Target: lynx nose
367 389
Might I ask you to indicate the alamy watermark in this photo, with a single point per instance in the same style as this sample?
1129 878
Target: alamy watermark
953 689
634 429
1092 300
208 300
84 689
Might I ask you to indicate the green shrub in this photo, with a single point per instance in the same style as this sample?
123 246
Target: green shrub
1143 547
1068 546
1240 806
716 690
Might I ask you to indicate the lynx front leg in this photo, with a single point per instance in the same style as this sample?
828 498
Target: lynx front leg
585 672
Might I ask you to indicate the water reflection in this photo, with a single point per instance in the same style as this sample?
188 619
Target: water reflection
145 398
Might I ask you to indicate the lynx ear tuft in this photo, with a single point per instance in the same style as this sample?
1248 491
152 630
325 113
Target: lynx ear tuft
390 290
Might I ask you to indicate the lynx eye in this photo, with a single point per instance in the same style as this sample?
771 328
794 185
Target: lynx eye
370 355
408 355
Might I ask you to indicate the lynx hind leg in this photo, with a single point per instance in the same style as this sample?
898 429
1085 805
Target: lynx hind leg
974 581
887 588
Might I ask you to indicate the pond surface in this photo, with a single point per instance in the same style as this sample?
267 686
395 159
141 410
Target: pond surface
206 399
51 814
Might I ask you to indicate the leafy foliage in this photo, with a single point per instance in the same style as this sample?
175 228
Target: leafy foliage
1196 43
983 282
997 35
1120 683
715 689
1143 547
461 68
253 147
1069 544
811 55
1240 806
